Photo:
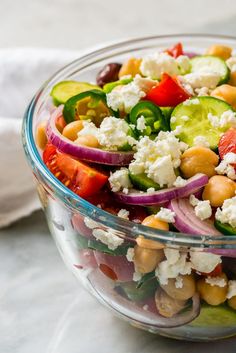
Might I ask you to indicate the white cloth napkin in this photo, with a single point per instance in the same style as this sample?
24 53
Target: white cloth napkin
22 71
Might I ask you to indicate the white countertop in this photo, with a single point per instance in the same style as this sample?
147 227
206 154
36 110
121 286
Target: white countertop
42 307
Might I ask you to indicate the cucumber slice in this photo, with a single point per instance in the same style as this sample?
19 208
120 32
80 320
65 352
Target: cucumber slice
215 316
142 182
108 87
212 64
225 229
64 90
130 290
198 122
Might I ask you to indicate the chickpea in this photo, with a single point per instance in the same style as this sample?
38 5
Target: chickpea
213 295
130 67
71 130
41 136
185 292
88 140
198 160
232 302
222 51
232 80
218 189
166 305
149 244
152 221
146 260
227 93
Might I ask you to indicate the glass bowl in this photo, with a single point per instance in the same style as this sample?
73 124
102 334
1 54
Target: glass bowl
109 274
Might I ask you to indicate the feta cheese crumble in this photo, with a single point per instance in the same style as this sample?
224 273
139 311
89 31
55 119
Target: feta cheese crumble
231 289
227 119
189 102
201 141
130 254
108 237
137 276
155 64
125 97
201 79
120 180
183 64
231 63
202 209
150 190
203 261
144 84
158 158
165 215
175 264
141 123
90 223
179 282
123 213
179 182
225 166
203 91
112 133
216 281
227 213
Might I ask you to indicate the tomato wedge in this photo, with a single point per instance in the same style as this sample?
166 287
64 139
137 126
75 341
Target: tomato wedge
77 176
168 93
176 50
216 272
227 142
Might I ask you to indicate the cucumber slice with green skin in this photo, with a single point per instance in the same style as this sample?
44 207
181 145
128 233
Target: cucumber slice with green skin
130 290
225 228
198 122
142 182
212 64
215 316
64 90
108 87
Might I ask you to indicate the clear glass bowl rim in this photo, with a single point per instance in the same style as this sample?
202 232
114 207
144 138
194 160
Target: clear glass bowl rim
74 202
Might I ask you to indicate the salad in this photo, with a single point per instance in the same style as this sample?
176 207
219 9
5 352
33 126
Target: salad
153 141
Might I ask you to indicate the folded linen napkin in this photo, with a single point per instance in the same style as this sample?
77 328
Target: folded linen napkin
22 73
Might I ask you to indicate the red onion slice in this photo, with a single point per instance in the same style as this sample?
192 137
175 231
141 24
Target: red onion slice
95 155
104 288
187 222
135 197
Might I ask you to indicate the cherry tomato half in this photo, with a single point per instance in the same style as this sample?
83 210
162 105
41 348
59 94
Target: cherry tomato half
227 142
77 176
176 50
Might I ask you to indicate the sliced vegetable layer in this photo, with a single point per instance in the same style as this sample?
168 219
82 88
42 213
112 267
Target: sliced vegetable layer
78 177
195 119
160 197
83 152
209 63
64 90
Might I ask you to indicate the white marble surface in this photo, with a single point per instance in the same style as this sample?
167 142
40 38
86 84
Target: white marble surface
42 307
